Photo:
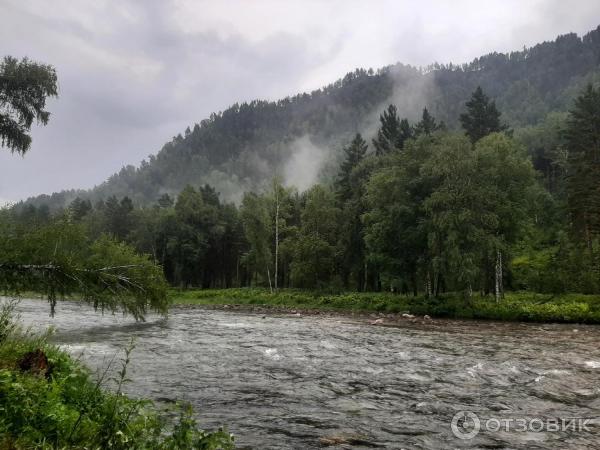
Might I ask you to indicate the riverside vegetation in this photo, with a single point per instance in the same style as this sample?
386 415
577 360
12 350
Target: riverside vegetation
516 306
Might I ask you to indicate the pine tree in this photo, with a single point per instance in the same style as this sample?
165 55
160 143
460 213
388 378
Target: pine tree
165 201
427 125
79 209
355 152
583 180
482 116
406 132
389 134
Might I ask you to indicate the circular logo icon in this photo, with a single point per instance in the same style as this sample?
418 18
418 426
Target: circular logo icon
465 425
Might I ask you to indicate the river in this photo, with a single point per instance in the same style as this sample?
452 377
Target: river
299 382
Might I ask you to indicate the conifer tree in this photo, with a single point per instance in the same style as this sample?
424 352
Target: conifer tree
355 153
406 132
482 117
427 125
388 136
583 180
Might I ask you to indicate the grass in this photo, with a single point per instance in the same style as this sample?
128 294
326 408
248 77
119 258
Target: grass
50 401
516 306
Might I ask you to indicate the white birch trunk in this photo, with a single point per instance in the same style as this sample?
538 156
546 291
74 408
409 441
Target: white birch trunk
277 239
269 277
499 282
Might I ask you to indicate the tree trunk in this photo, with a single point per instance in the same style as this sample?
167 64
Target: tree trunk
499 282
269 277
428 284
276 239
414 285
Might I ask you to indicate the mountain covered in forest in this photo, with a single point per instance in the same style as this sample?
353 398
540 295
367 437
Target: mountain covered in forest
300 138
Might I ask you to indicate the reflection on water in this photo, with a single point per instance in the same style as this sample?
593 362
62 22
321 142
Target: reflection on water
289 382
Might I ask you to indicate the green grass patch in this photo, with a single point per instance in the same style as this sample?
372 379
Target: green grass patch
516 306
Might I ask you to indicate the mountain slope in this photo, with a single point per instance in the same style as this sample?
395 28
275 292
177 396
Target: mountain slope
300 137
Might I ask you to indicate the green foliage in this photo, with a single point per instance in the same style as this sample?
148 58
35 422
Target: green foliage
59 259
314 249
24 87
583 142
257 228
392 134
482 117
66 408
354 154
441 210
427 125
545 144
349 190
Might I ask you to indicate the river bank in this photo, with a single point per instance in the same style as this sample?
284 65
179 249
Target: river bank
516 306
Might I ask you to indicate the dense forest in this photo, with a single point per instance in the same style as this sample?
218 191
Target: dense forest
238 149
493 185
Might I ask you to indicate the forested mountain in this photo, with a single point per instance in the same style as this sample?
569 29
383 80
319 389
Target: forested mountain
301 138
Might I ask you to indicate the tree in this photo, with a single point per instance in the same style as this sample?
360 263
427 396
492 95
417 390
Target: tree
59 259
482 117
349 191
354 154
24 87
427 125
395 226
314 263
257 226
118 216
583 179
165 201
478 207
79 209
389 137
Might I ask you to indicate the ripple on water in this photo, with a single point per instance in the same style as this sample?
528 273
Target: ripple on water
273 354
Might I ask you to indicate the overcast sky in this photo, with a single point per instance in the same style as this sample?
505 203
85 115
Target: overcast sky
132 74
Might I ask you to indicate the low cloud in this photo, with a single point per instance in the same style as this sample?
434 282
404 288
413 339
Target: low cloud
304 165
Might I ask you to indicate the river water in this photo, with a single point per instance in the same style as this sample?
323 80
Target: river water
301 382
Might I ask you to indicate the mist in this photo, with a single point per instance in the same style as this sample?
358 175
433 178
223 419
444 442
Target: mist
304 166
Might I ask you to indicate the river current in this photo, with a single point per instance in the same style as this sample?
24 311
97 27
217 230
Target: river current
291 381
